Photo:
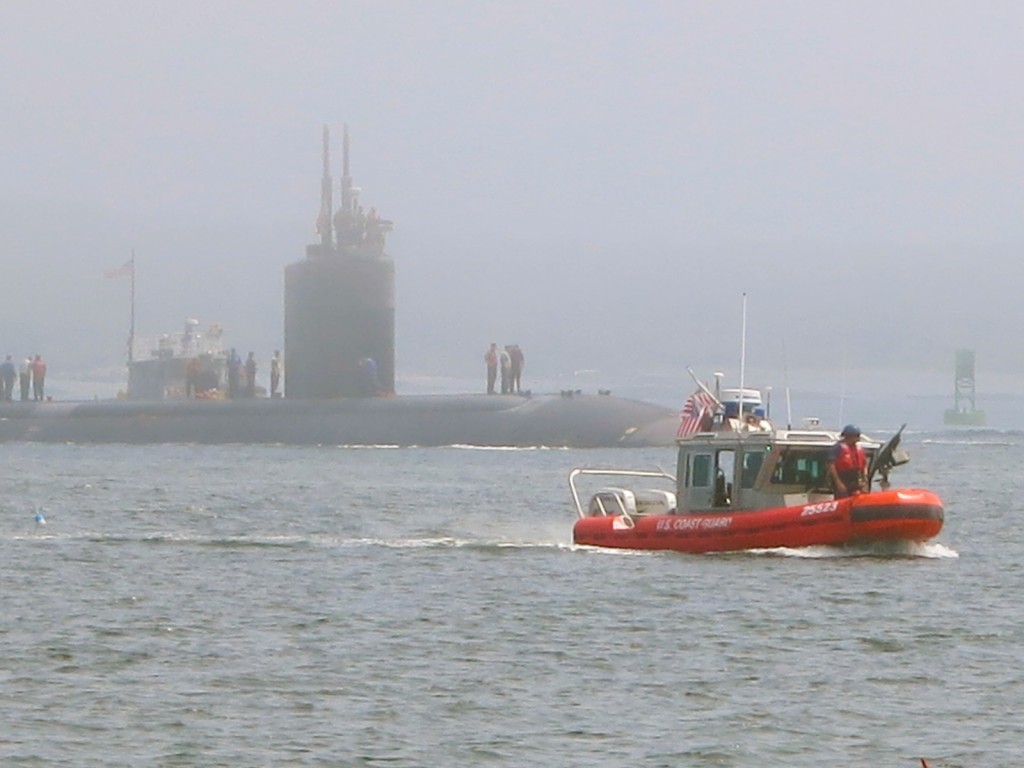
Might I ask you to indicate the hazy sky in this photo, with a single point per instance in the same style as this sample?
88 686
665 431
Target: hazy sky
598 182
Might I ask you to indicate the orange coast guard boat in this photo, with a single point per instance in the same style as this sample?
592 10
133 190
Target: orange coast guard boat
745 485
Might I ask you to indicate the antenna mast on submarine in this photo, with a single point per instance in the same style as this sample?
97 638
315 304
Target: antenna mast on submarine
347 195
323 221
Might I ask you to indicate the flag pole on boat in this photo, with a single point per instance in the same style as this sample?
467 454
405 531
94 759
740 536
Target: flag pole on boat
716 396
743 358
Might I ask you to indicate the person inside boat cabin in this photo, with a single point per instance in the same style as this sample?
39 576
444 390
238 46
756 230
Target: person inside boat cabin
847 464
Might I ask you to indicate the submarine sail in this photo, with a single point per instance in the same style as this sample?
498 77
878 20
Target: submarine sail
339 303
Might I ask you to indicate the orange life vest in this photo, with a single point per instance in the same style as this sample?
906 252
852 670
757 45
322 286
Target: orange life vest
851 459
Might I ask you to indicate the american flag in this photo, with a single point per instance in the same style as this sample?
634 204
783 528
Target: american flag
124 270
698 404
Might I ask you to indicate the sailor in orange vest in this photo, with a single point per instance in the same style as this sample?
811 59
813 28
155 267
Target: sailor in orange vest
491 358
847 465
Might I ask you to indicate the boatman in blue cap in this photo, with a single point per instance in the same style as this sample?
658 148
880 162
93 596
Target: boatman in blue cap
847 465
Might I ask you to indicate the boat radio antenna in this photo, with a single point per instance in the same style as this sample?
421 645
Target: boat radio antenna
785 383
842 384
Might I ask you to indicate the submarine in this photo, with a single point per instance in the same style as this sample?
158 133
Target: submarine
339 380
580 421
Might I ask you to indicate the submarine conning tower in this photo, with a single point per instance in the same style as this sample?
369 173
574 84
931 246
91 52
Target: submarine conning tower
339 302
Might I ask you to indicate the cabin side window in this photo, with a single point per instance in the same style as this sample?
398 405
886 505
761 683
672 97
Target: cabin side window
752 462
806 468
725 468
699 470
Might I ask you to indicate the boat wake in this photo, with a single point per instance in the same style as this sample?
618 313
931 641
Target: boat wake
257 541
446 542
880 549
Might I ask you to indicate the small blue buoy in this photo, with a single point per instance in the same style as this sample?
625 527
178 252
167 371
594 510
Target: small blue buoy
40 520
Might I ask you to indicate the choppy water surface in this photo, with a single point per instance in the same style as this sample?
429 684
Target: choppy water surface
260 605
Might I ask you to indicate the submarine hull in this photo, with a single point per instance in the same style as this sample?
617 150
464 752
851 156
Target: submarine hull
581 421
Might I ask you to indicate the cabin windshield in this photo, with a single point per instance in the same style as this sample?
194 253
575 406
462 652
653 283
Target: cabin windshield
807 467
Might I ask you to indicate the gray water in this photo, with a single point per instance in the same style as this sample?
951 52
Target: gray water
271 605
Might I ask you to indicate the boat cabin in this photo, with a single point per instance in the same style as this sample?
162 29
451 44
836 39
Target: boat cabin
755 468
